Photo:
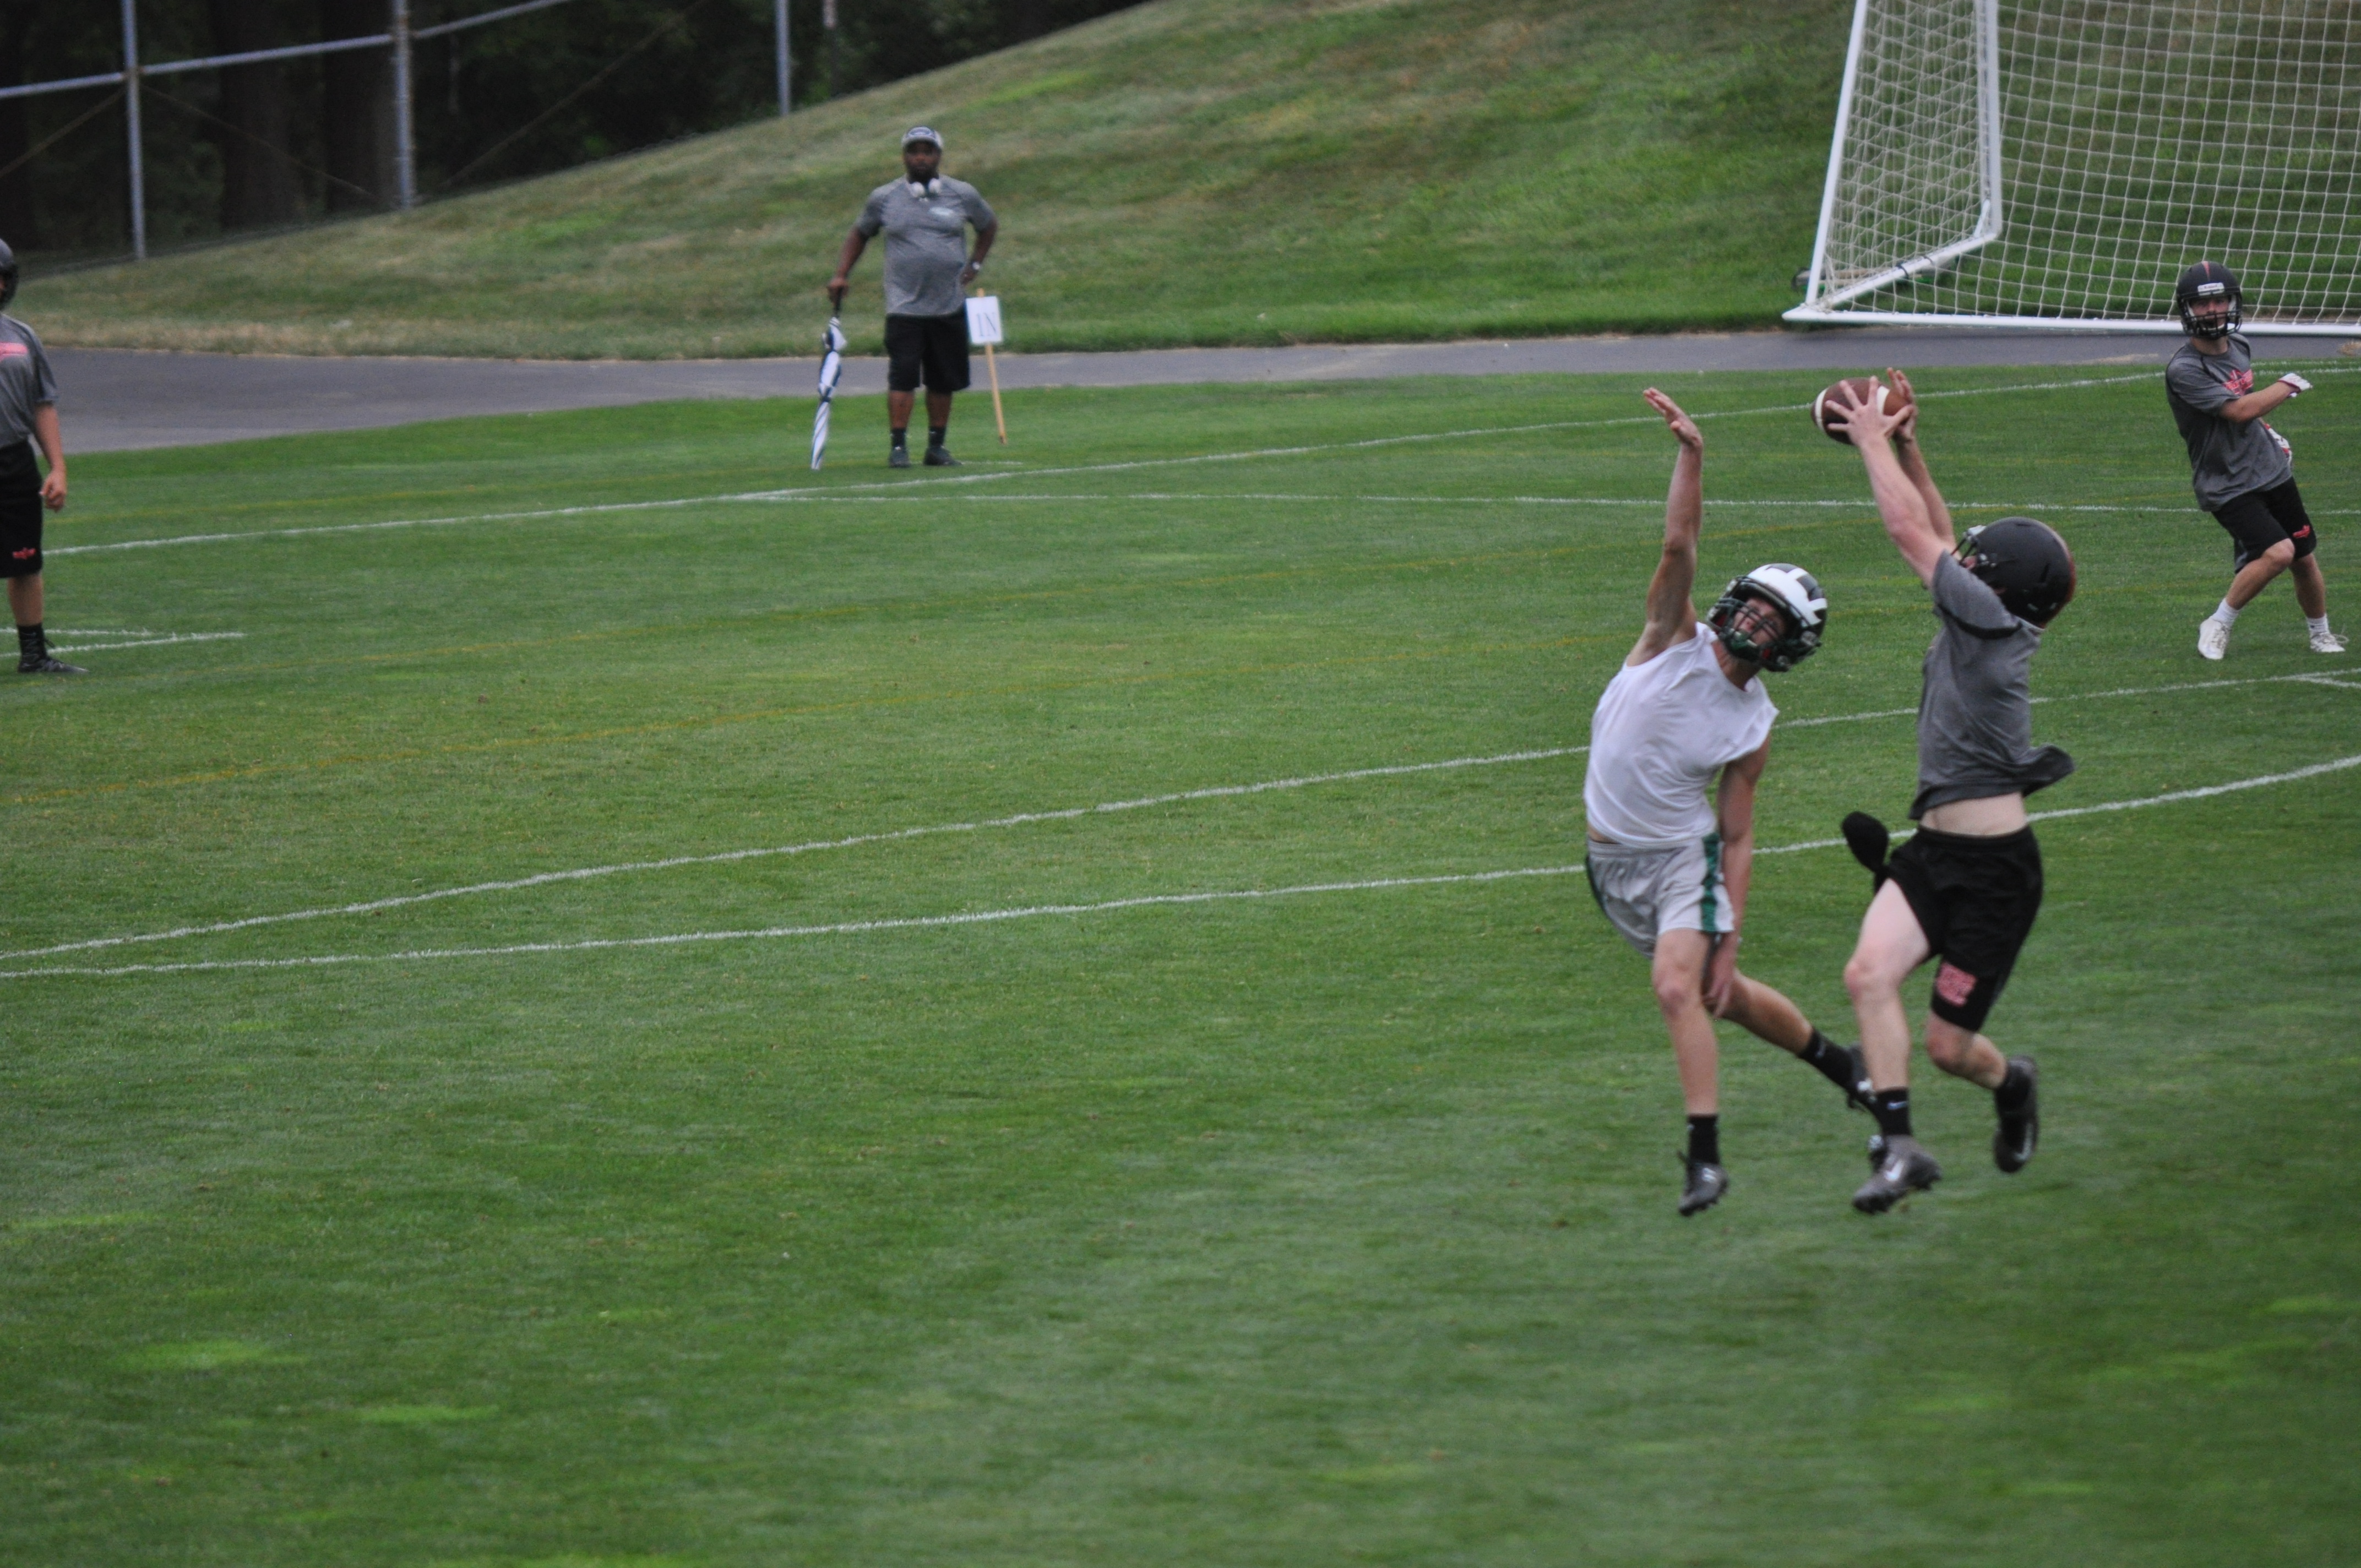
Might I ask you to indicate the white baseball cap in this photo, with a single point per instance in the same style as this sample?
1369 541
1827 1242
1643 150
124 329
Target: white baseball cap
922 133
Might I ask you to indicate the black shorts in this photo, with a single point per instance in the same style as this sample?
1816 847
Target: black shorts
20 511
1975 899
2260 519
928 348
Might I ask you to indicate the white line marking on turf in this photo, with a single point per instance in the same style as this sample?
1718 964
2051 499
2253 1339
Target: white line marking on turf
1064 814
143 641
802 492
978 917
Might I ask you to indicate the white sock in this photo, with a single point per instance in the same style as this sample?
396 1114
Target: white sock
2318 623
2226 615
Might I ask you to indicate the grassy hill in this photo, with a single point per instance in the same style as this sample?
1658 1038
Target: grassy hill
1191 171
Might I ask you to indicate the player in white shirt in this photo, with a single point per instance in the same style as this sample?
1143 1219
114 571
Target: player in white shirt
1688 715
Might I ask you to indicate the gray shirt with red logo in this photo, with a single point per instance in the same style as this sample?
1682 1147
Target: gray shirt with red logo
2226 459
25 380
1975 710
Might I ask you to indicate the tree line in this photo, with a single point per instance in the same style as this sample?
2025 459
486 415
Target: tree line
287 142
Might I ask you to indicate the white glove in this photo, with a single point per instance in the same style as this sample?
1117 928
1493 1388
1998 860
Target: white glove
2298 383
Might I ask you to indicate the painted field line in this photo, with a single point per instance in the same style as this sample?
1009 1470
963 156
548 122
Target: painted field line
145 641
1063 813
800 492
1038 911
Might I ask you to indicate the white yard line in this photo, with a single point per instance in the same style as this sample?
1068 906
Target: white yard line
938 483
143 641
1066 815
1037 911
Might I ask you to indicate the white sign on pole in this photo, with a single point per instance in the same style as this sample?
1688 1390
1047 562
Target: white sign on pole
983 320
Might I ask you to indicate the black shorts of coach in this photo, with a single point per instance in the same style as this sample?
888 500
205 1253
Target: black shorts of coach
933 349
20 511
2260 519
1976 900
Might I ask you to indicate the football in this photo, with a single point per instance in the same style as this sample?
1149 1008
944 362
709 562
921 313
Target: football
1866 388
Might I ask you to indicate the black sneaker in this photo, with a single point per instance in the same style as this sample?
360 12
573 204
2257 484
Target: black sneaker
1857 1090
1902 1168
2020 1130
1702 1186
48 664
900 458
940 457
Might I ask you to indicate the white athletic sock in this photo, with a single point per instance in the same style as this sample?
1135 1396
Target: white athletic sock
2318 623
2226 615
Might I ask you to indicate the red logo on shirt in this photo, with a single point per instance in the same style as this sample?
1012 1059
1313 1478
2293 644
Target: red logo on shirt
2240 382
14 351
1954 984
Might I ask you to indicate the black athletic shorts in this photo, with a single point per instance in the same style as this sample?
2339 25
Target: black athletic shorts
1975 899
928 348
20 511
2260 519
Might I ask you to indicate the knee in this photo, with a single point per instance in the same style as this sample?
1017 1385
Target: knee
1675 992
1865 978
1948 1045
2280 556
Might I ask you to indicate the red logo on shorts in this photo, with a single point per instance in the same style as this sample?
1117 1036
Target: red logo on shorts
2303 533
1954 984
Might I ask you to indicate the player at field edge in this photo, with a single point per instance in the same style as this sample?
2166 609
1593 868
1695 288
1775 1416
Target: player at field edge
1670 870
29 412
2242 469
1967 886
924 216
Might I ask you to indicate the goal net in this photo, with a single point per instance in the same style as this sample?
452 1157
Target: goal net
2056 163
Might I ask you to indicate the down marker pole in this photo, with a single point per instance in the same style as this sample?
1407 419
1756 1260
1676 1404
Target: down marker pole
983 327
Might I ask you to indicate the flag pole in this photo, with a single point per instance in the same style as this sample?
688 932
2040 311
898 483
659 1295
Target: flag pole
991 368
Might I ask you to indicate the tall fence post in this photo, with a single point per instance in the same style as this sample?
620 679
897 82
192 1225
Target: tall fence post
405 145
779 27
828 23
131 132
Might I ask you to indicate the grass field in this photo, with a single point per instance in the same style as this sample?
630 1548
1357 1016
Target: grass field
1334 1227
1189 171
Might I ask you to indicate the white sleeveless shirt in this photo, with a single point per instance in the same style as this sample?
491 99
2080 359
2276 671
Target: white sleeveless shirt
1664 730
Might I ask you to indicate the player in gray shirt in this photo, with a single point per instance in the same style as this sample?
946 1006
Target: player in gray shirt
2242 469
1967 886
29 412
924 216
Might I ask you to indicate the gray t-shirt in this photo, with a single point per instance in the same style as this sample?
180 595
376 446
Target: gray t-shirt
926 241
1975 712
2226 459
25 380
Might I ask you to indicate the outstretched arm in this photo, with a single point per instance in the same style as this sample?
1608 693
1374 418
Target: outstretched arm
1911 507
855 242
1671 614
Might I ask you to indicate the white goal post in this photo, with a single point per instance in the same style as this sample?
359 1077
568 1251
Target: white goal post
2056 163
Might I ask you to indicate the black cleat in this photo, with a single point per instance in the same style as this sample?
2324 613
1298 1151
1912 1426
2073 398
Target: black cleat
48 665
2020 1130
1902 1168
1702 1186
1857 1091
1866 837
940 457
899 458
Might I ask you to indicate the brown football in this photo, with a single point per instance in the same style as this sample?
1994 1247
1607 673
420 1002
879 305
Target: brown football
1868 388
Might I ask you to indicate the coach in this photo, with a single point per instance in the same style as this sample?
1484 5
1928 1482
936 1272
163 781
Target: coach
925 216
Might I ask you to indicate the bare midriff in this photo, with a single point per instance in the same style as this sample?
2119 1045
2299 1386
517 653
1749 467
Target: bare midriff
1988 817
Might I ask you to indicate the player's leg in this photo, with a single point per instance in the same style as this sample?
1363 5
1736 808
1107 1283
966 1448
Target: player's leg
1996 900
1892 943
21 517
1767 1014
1677 972
2263 551
2310 588
906 344
946 372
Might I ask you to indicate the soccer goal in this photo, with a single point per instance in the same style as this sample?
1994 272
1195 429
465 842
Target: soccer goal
2056 163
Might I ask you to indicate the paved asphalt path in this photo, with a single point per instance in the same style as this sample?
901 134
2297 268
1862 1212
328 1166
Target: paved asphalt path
115 399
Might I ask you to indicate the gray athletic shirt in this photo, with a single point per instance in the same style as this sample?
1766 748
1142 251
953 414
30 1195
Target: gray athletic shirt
2226 459
925 242
25 380
1975 712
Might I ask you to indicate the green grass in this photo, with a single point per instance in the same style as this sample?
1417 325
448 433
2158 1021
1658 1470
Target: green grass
1336 1228
1190 171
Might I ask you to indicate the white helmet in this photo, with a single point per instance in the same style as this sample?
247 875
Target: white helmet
1796 593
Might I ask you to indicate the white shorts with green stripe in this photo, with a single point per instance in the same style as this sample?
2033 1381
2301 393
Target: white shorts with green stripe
1645 893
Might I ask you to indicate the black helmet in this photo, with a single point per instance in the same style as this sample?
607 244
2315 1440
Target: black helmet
1802 611
2024 562
7 274
2204 284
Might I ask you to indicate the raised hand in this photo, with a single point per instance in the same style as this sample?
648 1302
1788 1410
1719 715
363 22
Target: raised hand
1683 428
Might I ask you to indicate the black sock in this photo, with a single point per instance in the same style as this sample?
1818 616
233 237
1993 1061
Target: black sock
1704 1139
30 644
1891 1109
2013 1090
935 434
1834 1063
901 437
